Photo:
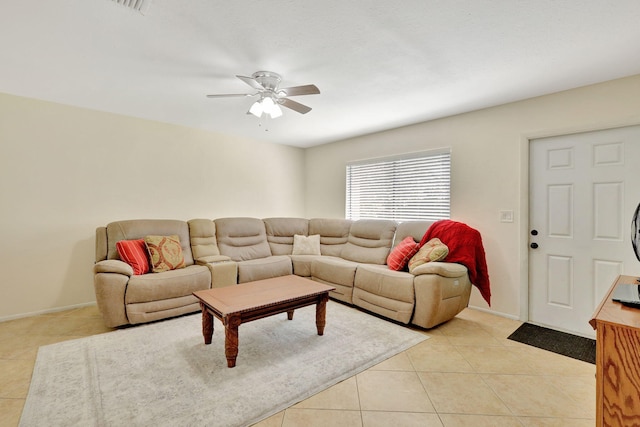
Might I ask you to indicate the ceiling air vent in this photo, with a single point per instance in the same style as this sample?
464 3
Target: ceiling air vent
141 6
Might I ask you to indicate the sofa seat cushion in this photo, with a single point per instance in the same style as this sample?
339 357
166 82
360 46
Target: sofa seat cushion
264 268
168 284
155 310
336 272
302 264
379 280
385 292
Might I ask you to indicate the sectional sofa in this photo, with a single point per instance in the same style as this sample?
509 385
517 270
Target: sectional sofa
349 255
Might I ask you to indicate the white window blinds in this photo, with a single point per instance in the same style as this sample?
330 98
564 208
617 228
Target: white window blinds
410 187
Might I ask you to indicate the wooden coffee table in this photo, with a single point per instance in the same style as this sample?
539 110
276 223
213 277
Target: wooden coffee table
237 304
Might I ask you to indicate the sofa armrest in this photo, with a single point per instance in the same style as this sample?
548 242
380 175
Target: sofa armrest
444 269
224 271
113 266
212 259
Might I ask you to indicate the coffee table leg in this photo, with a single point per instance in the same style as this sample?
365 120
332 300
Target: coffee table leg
290 314
231 339
207 324
321 313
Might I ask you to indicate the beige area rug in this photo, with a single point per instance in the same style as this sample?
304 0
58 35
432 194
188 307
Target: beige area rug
162 374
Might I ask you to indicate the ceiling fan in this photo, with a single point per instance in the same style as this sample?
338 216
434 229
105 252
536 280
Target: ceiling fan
271 96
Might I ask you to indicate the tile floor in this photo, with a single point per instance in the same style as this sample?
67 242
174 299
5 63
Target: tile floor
466 374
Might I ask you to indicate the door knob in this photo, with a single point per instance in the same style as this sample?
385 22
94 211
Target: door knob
534 245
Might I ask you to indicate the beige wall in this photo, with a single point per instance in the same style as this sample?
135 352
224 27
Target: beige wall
489 168
64 171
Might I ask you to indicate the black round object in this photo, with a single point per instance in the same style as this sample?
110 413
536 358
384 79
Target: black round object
635 232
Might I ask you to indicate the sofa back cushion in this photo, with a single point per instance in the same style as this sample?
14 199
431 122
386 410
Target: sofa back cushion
242 239
415 229
203 238
369 241
280 232
140 228
333 232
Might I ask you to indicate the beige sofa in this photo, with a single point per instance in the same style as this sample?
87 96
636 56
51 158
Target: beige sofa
226 251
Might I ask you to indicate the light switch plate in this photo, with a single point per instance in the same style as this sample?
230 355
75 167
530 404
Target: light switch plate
506 216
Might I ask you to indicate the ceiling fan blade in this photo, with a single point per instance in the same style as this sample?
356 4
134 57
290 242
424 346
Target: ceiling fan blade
301 90
230 95
295 106
251 82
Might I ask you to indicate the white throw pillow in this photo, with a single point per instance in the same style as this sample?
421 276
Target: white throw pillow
306 245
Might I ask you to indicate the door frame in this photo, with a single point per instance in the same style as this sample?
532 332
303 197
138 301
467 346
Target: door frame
523 214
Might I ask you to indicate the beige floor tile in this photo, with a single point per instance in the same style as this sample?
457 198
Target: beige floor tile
501 329
556 422
10 411
460 420
544 362
461 331
25 347
403 419
494 360
321 418
343 395
582 389
15 378
437 358
399 362
532 395
272 421
392 391
436 337
70 325
17 327
459 393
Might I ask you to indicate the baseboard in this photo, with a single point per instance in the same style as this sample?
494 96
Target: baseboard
47 311
497 313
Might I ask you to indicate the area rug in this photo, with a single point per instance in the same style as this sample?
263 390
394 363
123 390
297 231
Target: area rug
573 346
162 374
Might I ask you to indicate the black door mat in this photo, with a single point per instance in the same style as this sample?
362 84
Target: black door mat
569 345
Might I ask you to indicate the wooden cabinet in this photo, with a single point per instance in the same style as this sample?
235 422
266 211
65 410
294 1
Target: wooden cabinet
617 361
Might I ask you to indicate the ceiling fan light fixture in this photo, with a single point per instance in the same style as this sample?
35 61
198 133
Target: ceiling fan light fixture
271 108
267 106
276 111
257 108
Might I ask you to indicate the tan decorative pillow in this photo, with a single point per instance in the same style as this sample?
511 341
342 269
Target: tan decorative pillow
165 253
306 245
433 250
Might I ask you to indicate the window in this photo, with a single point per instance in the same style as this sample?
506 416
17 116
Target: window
415 186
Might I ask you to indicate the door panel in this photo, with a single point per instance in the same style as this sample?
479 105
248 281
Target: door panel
583 191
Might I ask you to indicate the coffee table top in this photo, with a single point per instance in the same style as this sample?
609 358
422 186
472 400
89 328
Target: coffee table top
261 293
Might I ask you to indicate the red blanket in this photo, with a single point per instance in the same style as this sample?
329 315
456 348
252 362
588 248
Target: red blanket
465 247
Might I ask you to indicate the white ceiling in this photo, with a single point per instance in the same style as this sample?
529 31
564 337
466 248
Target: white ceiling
379 64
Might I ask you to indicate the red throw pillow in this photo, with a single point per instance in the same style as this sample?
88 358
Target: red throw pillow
402 253
134 253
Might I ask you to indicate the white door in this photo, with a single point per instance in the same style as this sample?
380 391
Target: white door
584 189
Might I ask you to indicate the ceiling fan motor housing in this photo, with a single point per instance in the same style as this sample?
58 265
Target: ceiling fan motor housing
267 79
